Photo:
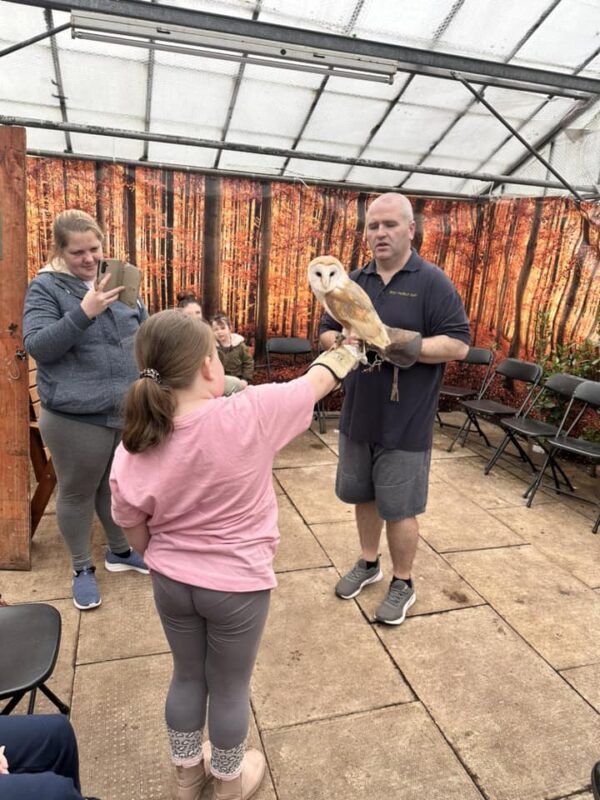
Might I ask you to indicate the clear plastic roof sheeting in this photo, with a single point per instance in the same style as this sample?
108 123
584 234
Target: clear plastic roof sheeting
421 132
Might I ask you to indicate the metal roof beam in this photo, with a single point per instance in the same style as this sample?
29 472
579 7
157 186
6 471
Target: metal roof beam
358 6
307 118
571 116
149 91
409 59
447 21
119 133
514 132
26 42
235 92
375 129
58 81
525 38
226 173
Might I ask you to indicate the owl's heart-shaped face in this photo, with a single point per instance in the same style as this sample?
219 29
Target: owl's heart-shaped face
325 273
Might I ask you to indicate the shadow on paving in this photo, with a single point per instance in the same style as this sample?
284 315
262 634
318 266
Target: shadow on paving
488 690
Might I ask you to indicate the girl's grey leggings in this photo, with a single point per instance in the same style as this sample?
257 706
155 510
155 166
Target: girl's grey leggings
82 455
214 638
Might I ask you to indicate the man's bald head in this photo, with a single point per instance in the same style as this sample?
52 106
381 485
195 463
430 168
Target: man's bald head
393 202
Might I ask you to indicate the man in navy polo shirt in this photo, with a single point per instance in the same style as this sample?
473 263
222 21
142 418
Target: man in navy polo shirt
385 443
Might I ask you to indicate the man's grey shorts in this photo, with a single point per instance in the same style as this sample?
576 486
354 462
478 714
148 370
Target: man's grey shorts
397 480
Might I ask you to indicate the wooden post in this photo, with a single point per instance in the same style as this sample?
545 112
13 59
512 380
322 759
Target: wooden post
14 373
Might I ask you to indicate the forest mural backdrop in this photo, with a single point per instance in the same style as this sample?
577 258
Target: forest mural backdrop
527 269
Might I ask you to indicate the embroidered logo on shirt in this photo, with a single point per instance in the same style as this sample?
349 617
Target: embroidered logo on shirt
404 294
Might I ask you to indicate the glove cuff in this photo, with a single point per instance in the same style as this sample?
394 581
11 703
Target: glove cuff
339 361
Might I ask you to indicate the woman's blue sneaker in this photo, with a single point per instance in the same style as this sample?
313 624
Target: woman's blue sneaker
115 563
85 589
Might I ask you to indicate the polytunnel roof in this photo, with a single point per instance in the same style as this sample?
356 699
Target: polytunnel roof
424 131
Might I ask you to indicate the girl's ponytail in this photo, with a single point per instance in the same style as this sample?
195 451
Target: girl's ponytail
169 349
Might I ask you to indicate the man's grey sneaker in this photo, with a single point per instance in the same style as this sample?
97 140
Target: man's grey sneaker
399 599
85 589
359 576
115 563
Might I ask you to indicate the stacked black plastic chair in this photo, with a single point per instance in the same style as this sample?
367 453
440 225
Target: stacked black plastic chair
476 357
536 431
485 409
585 396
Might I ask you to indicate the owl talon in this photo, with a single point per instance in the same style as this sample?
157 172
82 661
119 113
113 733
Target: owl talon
376 364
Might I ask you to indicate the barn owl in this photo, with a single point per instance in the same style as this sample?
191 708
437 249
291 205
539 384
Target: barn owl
351 306
346 301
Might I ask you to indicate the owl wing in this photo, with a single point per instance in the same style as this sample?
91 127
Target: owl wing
352 307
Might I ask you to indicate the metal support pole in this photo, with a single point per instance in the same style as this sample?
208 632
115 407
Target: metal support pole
517 135
14 47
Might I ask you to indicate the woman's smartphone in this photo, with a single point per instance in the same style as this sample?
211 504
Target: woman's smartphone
121 274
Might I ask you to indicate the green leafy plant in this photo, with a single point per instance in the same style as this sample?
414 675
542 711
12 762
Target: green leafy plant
581 359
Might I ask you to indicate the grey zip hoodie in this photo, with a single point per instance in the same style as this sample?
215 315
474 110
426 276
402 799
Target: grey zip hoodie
84 366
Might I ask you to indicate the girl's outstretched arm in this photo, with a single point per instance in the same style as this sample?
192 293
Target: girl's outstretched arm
330 368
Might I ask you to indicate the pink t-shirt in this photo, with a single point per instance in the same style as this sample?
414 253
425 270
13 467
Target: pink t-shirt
206 493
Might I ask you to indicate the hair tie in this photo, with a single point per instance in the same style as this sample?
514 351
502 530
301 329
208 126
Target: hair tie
153 374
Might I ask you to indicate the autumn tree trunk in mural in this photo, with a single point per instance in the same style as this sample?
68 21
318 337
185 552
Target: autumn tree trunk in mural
167 284
263 273
99 204
418 217
129 214
212 245
575 281
521 289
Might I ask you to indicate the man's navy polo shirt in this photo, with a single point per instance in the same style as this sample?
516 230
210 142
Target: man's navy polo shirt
419 297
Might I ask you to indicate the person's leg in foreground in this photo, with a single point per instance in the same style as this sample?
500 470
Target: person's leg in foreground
214 638
43 761
82 454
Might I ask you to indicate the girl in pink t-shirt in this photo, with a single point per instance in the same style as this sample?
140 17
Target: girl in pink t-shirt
192 489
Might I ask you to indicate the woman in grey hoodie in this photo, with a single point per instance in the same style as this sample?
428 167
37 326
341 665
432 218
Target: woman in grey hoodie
81 338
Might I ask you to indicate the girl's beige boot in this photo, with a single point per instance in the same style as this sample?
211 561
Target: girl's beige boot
247 782
189 781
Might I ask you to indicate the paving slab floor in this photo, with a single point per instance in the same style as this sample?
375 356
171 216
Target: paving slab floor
490 690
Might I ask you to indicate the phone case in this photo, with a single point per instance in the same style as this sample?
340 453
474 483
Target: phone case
121 274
